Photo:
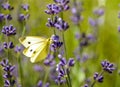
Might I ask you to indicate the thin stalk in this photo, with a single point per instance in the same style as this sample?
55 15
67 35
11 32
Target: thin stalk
46 75
7 47
64 44
52 17
69 78
98 76
20 70
24 29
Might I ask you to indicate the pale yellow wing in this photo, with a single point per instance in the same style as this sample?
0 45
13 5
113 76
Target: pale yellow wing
33 49
31 40
41 54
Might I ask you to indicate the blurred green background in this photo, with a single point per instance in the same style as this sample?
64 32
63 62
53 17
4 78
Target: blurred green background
106 47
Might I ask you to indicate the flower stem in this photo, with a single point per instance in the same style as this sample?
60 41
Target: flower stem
24 29
20 70
46 75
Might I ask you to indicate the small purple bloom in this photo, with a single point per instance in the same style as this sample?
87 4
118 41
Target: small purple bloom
18 49
9 30
8 75
63 4
107 66
92 22
25 7
53 9
6 6
40 84
2 17
9 45
8 17
119 28
61 25
47 85
71 62
23 17
99 12
98 77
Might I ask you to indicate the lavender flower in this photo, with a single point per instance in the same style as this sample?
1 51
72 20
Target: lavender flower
56 43
8 69
40 84
53 9
51 22
25 7
92 22
61 25
8 17
6 6
23 17
99 11
107 66
2 17
18 49
9 45
98 77
9 30
63 68
63 4
77 10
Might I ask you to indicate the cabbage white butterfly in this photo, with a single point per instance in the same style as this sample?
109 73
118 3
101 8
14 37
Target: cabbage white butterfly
35 47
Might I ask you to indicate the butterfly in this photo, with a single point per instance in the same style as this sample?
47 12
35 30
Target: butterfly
35 47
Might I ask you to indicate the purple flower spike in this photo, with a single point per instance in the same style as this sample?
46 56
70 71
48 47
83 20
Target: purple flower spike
8 17
107 66
9 30
99 11
92 22
53 9
6 6
47 85
61 25
39 84
2 17
98 77
25 7
9 45
71 62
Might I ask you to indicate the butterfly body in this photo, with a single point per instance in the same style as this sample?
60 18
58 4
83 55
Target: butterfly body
35 47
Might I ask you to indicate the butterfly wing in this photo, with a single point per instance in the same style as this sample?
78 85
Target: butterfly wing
41 54
31 40
31 50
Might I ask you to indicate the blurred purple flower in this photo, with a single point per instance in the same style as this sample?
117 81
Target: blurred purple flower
99 11
25 7
8 17
23 17
6 6
2 17
92 22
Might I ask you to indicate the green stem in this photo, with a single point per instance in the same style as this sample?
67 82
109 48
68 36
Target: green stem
20 70
24 29
52 17
69 78
46 75
64 44
98 76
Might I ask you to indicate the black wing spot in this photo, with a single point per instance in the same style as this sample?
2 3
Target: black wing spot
29 42
31 50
